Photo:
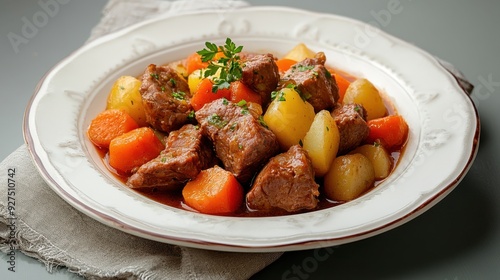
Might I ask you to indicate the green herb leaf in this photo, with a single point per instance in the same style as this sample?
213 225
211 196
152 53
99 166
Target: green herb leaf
179 95
280 95
303 68
216 121
262 122
191 115
229 66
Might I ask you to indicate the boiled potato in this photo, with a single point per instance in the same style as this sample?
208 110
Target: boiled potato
363 92
179 67
194 80
289 117
379 157
349 177
300 52
125 95
322 142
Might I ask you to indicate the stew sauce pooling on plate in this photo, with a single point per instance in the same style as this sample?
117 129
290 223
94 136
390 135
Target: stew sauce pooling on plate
227 132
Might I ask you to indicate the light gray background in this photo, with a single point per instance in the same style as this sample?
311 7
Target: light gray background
457 239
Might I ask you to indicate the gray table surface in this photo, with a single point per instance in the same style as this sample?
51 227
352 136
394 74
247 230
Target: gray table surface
459 238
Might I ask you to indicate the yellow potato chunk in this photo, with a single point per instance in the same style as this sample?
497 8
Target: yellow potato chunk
194 80
363 92
322 142
349 176
125 95
300 52
179 67
289 117
379 157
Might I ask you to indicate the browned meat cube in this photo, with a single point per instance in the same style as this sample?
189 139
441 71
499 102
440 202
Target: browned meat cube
314 82
241 142
186 153
286 182
351 122
261 73
166 98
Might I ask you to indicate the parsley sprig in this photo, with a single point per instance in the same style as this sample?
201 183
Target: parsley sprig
228 65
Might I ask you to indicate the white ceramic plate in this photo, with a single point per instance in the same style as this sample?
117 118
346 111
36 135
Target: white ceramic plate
443 140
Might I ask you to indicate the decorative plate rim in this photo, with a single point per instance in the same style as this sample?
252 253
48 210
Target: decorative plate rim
52 165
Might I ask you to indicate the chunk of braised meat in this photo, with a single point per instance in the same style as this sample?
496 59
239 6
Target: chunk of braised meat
260 72
241 142
314 82
351 122
286 182
186 153
166 98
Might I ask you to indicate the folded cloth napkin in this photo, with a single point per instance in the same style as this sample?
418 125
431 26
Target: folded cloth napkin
45 227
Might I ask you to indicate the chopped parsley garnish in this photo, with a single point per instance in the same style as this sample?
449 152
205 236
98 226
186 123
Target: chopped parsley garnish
225 101
191 115
278 94
262 122
162 88
328 74
242 103
304 96
155 75
179 95
228 66
216 121
303 68
173 82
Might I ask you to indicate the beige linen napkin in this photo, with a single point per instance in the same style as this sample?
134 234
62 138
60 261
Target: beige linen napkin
45 227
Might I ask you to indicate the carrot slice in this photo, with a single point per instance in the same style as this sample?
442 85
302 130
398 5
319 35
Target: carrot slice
133 149
193 62
284 64
204 94
391 131
343 84
109 124
240 91
214 191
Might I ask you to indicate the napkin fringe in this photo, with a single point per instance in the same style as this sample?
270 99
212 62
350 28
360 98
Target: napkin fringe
34 245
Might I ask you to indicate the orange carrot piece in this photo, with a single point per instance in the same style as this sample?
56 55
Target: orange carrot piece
240 91
133 149
204 94
193 62
343 84
391 131
214 191
109 124
284 64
